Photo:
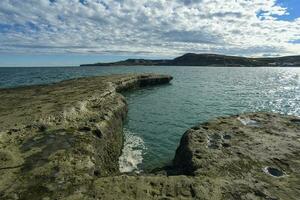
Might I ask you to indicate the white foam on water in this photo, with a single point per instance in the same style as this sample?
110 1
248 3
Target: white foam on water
132 153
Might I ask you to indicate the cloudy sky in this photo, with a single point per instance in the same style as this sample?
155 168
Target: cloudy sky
70 32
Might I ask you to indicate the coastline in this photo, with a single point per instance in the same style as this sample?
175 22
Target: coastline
68 138
192 59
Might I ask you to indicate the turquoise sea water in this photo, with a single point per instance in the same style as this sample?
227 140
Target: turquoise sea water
158 116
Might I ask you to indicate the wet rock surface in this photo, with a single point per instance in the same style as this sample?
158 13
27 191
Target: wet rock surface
62 141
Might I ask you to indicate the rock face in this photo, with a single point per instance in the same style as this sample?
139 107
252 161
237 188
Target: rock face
62 141
251 156
55 139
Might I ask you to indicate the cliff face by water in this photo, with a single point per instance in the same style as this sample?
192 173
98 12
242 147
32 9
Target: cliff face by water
62 141
55 139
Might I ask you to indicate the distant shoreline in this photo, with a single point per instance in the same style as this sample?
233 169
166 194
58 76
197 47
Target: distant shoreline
208 60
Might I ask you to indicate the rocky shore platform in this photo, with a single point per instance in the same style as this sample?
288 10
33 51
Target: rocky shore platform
63 141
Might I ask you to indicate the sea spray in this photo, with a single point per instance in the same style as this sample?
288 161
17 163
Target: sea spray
132 153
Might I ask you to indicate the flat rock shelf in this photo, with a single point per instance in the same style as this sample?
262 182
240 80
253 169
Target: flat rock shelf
63 141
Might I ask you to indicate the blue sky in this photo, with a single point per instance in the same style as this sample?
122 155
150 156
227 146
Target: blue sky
71 32
293 8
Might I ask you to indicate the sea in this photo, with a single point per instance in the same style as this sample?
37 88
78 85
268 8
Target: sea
158 116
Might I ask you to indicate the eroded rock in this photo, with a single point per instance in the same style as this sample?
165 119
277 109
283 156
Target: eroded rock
259 159
56 139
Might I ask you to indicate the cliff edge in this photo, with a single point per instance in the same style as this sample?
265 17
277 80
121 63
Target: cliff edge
55 139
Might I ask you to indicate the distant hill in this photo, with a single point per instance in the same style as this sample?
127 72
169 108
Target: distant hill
191 59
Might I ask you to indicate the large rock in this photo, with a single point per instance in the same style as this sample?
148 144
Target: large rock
250 156
55 139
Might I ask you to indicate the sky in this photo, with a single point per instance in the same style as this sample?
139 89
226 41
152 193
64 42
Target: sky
72 32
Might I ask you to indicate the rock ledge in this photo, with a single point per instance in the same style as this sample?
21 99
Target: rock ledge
55 139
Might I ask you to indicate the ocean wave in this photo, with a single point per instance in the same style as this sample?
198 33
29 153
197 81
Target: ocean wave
132 153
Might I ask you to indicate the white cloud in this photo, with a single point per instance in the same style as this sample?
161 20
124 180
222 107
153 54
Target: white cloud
161 27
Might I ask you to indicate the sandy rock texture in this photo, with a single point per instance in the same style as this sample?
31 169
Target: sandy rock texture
248 156
55 139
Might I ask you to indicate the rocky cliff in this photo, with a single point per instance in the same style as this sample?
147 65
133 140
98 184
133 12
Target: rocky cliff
55 139
62 141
